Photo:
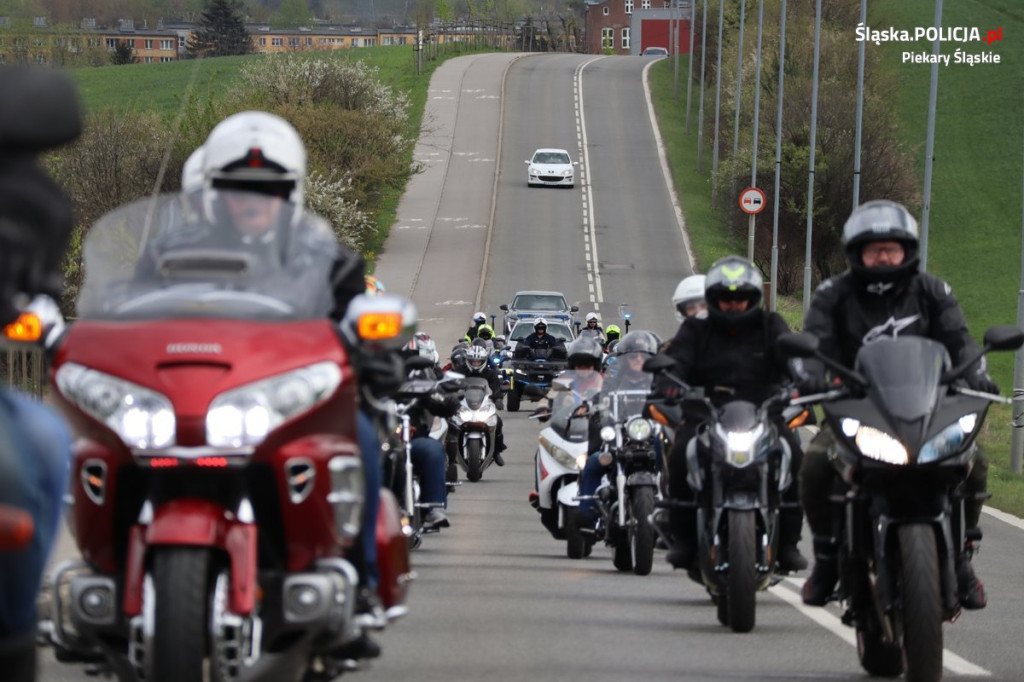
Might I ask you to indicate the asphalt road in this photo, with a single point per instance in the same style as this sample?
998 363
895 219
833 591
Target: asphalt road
496 599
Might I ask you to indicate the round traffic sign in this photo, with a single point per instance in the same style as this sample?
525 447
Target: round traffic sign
752 201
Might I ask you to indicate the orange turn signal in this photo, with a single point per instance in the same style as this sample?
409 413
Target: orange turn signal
377 326
799 419
28 327
657 416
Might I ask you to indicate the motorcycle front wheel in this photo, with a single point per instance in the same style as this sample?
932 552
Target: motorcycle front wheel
922 602
474 459
181 581
512 400
575 541
641 533
741 585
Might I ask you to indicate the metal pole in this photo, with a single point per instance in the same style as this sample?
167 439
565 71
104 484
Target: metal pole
718 104
700 107
739 81
778 157
860 107
674 40
929 151
1017 437
810 173
689 64
757 118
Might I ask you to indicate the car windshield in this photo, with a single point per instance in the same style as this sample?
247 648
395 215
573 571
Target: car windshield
551 157
539 302
559 331
235 255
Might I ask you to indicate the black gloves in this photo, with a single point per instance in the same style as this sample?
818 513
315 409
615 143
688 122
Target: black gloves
981 381
810 383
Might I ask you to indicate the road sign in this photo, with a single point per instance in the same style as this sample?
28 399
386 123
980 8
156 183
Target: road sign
752 201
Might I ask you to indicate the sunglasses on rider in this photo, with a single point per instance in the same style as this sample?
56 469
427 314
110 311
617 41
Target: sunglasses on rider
279 189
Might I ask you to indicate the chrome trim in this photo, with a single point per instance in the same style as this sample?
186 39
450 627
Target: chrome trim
300 482
97 498
192 452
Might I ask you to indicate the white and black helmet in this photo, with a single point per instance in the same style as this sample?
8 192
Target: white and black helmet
689 290
479 318
476 358
733 278
881 220
592 317
585 351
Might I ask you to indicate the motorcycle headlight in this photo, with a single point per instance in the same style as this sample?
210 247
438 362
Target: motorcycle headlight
739 445
608 434
245 415
879 445
563 456
949 440
143 418
639 429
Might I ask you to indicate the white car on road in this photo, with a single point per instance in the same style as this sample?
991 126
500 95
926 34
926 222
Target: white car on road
551 167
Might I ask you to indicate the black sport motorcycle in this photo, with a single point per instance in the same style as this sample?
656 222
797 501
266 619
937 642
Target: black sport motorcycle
905 441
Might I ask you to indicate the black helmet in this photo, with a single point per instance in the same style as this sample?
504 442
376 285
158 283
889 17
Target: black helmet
733 279
638 342
585 351
881 220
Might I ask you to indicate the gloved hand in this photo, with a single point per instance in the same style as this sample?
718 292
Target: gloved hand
981 381
811 383
541 413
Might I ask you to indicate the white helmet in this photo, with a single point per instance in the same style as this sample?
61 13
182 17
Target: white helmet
479 318
192 171
592 316
690 289
476 358
255 151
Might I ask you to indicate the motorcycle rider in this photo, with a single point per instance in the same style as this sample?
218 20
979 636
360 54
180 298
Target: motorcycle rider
632 350
611 337
35 444
688 298
731 355
593 328
428 457
883 293
479 320
538 340
477 365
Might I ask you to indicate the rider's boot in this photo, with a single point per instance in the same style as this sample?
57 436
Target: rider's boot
18 658
822 581
498 449
971 590
791 521
683 553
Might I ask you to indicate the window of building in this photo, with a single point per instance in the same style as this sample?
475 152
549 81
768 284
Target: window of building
40 59
276 42
147 60
181 42
401 40
111 43
166 44
293 42
387 40
166 59
625 38
263 42
629 6
607 36
607 11
148 44
369 42
645 4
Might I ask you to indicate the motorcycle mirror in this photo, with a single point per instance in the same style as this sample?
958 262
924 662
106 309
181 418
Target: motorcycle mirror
45 114
381 322
801 345
574 309
1004 337
504 307
418 362
658 363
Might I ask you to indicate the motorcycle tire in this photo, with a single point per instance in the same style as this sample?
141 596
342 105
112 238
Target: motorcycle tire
513 399
182 590
641 533
474 459
922 602
721 601
741 583
876 657
576 545
622 554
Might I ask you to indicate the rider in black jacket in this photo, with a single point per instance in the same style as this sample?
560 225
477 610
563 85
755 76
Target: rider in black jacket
883 294
731 355
538 340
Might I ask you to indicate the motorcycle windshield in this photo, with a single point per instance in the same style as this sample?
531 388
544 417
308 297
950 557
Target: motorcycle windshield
211 253
626 388
903 374
476 390
568 393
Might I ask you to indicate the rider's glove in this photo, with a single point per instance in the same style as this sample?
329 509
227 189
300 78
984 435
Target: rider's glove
811 383
981 381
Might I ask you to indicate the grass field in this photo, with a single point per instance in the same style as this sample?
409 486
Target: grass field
975 225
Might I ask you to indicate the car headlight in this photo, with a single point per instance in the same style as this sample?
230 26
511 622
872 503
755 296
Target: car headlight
534 170
949 440
877 444
143 418
245 415
567 173
639 429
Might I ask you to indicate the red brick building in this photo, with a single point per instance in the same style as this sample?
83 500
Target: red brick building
626 27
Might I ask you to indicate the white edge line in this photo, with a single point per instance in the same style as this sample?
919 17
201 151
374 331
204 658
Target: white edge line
952 662
588 191
1015 521
665 170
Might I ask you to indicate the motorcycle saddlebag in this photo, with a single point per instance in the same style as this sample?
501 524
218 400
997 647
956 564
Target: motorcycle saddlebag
392 552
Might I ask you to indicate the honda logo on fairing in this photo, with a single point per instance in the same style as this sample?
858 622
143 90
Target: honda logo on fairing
214 348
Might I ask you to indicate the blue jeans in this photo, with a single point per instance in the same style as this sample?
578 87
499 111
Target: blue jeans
35 453
369 449
590 479
429 461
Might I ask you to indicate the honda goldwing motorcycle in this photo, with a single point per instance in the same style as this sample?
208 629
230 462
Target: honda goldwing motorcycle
471 432
216 482
738 467
562 452
627 495
904 445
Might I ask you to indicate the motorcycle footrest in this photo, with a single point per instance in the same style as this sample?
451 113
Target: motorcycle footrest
675 504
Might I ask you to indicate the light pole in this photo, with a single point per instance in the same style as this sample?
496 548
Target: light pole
929 151
718 104
810 172
778 157
757 118
860 107
700 107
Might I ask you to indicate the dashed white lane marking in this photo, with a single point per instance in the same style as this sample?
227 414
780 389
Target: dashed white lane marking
824 618
593 263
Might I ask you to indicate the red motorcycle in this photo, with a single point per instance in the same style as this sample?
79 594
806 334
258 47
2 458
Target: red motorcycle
217 486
